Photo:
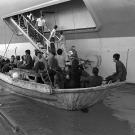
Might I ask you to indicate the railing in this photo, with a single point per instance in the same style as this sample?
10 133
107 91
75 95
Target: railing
37 32
31 30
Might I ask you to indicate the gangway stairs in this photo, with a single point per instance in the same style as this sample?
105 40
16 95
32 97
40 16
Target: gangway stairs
30 32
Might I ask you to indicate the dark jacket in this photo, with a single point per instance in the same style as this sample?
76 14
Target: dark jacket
95 81
121 71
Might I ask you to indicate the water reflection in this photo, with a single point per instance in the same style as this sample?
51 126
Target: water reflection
122 102
39 119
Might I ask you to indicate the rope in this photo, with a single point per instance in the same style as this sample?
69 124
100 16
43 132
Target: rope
8 44
127 58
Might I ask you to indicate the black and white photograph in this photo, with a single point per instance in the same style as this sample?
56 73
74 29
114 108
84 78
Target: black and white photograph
67 67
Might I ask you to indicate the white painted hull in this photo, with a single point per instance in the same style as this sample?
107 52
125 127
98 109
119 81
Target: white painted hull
69 99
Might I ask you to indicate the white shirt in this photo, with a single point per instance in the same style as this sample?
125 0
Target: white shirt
53 33
40 22
61 60
29 16
62 39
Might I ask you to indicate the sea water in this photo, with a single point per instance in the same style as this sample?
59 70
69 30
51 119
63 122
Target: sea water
122 102
35 118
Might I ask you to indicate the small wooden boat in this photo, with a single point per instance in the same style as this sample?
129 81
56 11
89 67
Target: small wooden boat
69 99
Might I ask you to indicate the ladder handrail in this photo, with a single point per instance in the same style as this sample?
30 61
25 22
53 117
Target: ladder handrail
55 35
13 21
36 29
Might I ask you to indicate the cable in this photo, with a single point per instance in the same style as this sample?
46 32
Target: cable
8 44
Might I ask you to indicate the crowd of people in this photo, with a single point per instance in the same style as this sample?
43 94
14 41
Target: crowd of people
55 69
60 68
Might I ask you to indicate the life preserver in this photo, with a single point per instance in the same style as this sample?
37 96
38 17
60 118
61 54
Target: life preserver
95 60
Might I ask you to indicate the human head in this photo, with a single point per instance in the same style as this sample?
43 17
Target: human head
59 51
39 54
61 32
116 57
95 71
73 47
55 26
17 57
27 52
36 51
12 58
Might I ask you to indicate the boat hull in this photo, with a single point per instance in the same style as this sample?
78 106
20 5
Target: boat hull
69 99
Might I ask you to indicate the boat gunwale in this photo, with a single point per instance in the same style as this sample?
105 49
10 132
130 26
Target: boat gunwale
60 91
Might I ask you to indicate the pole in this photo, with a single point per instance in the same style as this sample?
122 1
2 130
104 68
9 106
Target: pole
127 58
8 44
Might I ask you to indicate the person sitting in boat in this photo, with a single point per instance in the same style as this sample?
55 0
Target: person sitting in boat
17 60
95 79
2 63
29 62
121 72
9 65
61 59
22 61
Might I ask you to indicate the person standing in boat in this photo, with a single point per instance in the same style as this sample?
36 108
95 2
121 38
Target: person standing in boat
61 59
52 65
62 44
39 57
9 64
74 74
121 72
